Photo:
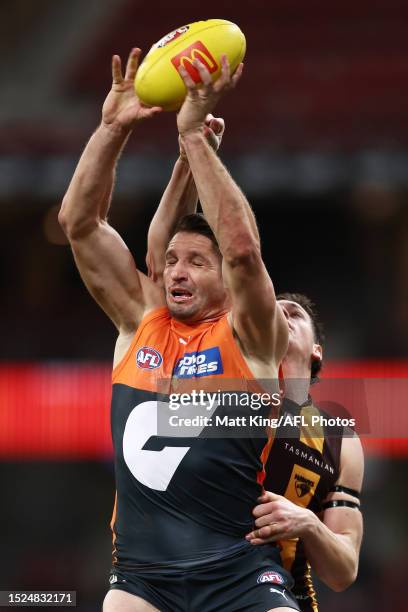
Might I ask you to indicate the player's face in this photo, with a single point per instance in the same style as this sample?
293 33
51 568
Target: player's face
193 278
301 334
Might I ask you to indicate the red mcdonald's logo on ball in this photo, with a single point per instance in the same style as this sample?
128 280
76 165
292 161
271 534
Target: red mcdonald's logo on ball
195 51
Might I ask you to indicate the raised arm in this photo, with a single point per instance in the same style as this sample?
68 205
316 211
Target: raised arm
179 199
104 262
332 545
256 317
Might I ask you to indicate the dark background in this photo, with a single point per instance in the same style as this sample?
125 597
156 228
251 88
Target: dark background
317 136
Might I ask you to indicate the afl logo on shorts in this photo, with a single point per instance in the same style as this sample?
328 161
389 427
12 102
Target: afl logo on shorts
270 577
148 358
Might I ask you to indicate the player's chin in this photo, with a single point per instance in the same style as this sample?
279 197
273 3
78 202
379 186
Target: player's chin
181 310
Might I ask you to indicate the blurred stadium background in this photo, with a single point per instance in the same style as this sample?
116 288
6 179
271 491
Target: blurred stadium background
317 136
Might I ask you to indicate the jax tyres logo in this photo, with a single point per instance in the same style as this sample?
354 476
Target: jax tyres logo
202 363
170 37
195 51
147 358
273 577
303 485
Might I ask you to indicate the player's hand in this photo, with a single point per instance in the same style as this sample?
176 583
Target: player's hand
277 518
213 130
122 108
202 100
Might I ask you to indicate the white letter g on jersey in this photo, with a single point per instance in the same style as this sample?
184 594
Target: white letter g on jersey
154 469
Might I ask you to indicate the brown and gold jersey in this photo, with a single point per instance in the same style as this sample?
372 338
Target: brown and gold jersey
303 465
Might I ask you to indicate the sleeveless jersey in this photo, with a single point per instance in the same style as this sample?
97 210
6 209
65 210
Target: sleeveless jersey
303 465
179 501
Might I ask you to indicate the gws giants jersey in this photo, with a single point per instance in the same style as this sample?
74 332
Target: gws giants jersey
180 501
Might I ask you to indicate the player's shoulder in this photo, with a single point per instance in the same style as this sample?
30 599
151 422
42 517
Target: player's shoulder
155 313
154 318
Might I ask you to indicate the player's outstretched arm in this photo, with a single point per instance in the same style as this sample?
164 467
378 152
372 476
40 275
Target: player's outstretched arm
332 546
179 199
104 262
259 323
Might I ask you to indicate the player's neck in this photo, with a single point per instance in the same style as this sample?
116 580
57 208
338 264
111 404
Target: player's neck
202 319
296 375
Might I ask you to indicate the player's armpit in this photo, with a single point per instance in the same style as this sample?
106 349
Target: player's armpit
109 272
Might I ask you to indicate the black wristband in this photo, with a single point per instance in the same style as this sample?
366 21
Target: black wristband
341 489
336 503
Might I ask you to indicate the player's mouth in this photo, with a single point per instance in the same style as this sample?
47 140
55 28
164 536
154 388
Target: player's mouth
180 295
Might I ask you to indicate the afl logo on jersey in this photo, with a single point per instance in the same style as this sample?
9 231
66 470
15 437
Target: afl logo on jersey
147 358
270 577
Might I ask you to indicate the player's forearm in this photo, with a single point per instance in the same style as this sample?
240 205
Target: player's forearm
225 206
331 555
88 196
179 199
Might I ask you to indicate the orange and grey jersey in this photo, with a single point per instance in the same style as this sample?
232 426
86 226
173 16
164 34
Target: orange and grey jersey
303 465
185 500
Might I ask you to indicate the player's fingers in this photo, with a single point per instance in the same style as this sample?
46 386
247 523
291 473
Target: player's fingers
188 81
212 139
224 79
269 496
237 75
148 111
117 77
264 532
258 541
263 497
205 76
217 124
132 64
262 521
262 509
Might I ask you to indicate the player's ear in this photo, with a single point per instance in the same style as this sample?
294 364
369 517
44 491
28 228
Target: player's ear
317 352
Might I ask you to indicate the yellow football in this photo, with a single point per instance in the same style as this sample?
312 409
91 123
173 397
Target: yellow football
158 82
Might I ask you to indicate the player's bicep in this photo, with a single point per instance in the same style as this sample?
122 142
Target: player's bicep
342 511
109 272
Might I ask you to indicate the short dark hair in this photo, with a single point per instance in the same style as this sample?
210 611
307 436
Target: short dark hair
196 223
318 330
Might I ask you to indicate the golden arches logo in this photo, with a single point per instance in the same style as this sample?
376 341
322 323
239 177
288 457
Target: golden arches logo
195 51
205 59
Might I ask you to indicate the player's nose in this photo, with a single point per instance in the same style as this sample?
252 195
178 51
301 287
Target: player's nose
179 272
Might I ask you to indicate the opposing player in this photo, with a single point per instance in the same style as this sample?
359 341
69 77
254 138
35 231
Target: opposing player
175 548
311 504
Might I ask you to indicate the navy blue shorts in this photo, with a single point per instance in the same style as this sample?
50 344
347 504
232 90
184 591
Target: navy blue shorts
251 581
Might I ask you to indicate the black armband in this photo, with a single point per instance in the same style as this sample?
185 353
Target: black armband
336 503
341 489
